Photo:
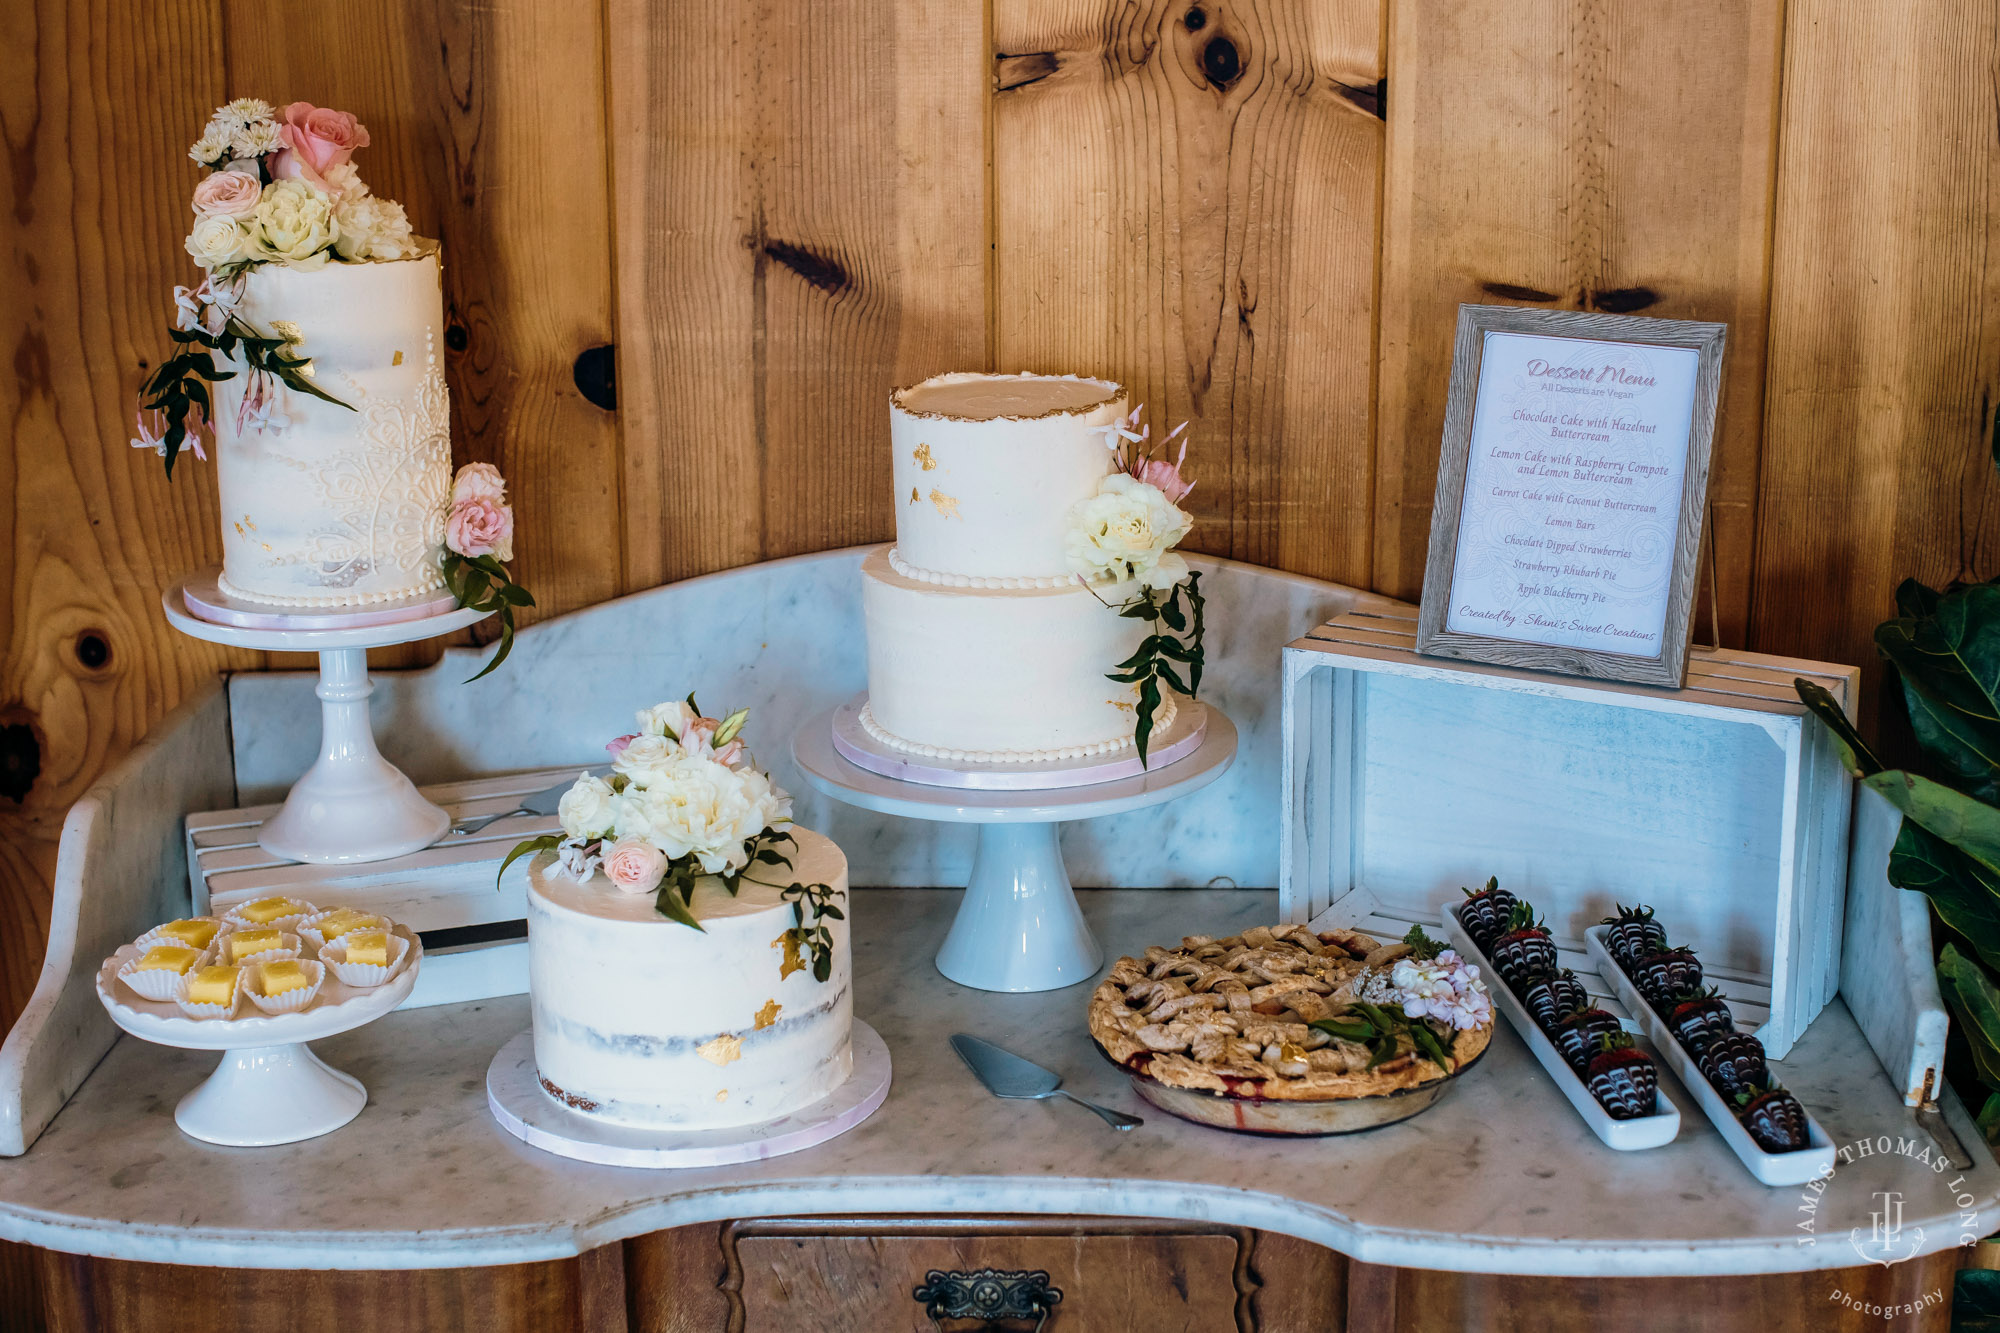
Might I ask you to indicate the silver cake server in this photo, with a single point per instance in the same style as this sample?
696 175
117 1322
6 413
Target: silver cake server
536 803
1006 1074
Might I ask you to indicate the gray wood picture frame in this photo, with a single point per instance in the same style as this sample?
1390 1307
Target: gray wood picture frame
1474 322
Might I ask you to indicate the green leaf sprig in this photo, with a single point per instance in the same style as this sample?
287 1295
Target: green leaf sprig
1383 1028
180 383
1174 644
483 584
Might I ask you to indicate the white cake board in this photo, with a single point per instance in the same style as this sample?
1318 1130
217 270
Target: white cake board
352 805
514 1094
1018 928
204 598
1179 738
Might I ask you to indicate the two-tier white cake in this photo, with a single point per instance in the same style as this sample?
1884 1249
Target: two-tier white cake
640 1020
983 644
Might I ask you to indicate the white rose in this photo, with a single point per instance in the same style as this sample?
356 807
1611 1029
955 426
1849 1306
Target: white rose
295 224
648 759
588 809
668 719
217 240
703 810
1125 531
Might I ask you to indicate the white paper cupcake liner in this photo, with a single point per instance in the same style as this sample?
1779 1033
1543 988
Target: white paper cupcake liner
156 984
290 921
193 1010
309 928
289 950
153 936
292 1001
365 976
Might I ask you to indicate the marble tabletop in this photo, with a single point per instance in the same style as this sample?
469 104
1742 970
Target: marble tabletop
1500 1176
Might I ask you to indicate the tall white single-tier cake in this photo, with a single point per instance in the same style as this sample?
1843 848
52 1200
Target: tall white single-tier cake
340 507
640 1020
982 642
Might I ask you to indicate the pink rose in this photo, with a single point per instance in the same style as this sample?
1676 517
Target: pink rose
617 746
478 481
635 866
228 194
729 754
480 527
315 139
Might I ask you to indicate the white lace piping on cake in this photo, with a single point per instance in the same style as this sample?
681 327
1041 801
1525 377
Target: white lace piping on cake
1161 721
433 584
944 580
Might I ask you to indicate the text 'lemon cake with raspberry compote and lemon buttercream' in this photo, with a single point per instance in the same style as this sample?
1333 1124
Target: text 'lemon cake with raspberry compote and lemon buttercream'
1000 624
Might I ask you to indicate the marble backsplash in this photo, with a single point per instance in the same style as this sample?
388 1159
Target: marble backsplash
785 639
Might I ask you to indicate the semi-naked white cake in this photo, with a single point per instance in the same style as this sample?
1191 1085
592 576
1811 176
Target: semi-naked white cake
641 1021
336 507
982 644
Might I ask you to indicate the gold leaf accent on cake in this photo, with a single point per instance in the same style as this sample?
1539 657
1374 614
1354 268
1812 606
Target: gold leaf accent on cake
947 505
922 453
1122 705
790 945
722 1095
768 1014
914 497
721 1050
397 359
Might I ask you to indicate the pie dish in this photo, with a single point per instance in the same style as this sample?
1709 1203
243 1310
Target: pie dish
1223 1030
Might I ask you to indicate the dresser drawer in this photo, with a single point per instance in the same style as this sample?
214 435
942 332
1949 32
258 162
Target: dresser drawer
1112 1278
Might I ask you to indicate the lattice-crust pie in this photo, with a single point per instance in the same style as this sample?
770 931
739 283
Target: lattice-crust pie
1234 1016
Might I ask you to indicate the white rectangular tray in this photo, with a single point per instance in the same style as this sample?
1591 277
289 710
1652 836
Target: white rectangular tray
1624 1135
1772 1168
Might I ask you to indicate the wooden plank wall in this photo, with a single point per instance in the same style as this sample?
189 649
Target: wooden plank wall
1260 213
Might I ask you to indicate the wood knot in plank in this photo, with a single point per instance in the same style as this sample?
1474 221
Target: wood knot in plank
1018 71
1220 62
1508 291
20 760
818 270
1623 301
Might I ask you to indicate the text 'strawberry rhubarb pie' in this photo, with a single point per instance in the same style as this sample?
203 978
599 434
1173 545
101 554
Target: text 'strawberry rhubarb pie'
1284 1030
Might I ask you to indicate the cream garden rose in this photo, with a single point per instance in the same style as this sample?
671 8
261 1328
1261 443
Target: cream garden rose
295 225
705 810
372 228
588 809
1127 531
218 240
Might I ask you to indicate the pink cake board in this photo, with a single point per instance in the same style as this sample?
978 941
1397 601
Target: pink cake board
206 600
515 1096
853 743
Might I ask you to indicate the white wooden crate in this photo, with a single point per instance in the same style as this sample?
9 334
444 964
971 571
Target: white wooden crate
1722 804
475 932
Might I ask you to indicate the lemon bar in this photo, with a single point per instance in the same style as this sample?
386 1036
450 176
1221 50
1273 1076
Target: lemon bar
367 946
344 919
246 942
194 933
266 910
167 958
213 985
281 976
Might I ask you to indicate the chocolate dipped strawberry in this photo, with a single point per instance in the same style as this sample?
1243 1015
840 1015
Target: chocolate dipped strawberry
1773 1118
1697 1018
1633 935
1551 995
1580 1034
1733 1063
1524 951
1622 1078
1663 974
1485 912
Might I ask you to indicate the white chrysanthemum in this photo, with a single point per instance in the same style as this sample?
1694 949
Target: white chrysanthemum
1127 531
704 810
248 111
255 140
210 147
589 809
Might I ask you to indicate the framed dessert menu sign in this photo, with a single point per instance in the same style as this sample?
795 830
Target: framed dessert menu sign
1572 486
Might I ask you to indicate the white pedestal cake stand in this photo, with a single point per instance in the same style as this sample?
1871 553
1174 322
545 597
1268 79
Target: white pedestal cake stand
269 1088
515 1096
1019 927
352 805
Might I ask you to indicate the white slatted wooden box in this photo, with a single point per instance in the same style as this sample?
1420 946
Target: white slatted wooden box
475 931
1722 804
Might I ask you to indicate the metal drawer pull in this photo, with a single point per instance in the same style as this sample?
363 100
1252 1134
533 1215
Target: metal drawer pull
988 1294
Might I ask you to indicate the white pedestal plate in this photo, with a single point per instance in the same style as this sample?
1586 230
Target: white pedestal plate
1019 927
269 1087
352 805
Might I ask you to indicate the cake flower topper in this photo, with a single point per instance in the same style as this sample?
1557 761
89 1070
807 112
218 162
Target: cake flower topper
282 189
1122 538
684 801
